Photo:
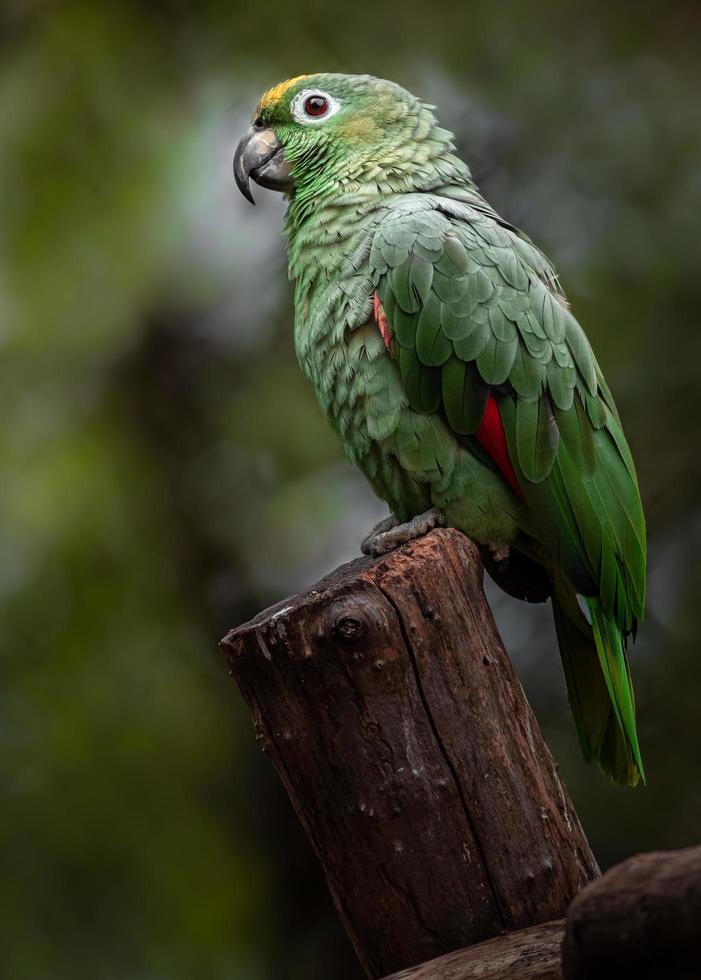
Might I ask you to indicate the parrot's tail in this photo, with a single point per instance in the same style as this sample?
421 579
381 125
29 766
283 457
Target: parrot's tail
598 686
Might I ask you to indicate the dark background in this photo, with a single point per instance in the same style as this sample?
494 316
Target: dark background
166 472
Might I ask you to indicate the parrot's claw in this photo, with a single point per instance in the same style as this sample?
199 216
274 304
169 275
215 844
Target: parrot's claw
386 524
499 552
389 535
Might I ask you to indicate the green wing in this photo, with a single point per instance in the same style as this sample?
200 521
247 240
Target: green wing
475 310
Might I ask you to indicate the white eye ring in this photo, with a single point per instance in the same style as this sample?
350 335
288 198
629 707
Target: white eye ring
301 116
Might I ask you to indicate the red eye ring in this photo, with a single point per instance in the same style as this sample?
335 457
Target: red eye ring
316 105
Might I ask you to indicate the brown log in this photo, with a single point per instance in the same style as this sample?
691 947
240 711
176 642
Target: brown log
528 954
642 919
387 703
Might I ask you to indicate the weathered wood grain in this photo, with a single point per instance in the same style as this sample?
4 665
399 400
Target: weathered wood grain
527 954
388 705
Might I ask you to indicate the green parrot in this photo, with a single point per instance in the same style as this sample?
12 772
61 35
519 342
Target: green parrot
442 348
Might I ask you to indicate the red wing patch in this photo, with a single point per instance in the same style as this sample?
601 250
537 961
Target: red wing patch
383 323
490 433
492 438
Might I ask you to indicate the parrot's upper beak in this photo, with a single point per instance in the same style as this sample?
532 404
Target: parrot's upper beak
260 155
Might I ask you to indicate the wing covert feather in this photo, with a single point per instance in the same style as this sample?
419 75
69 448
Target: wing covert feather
475 310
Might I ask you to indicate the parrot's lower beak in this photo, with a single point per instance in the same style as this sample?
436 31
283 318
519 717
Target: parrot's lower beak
260 156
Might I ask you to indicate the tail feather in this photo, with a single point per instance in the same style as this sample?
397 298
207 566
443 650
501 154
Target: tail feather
608 639
598 686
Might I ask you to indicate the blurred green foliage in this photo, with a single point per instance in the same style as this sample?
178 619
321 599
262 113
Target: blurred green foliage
165 471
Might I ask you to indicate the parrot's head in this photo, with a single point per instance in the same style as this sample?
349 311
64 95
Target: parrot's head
314 134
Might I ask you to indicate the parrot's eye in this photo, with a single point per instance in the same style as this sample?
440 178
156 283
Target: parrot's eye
313 106
316 105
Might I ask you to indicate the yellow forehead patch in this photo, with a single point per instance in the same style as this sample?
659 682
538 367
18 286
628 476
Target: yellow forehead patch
275 93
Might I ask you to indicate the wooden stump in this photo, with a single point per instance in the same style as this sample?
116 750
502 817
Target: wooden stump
642 920
388 705
527 954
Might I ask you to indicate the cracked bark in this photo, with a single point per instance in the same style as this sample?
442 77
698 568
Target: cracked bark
386 701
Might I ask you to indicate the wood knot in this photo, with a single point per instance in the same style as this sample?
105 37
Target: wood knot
346 626
350 625
348 622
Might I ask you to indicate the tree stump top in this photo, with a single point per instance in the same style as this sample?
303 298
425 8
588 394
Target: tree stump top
385 699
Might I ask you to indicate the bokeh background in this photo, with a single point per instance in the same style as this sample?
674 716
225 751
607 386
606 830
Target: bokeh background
165 472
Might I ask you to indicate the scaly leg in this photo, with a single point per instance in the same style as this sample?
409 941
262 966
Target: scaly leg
498 552
389 535
386 524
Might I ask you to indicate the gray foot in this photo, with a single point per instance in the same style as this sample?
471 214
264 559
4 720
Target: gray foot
380 528
380 540
498 552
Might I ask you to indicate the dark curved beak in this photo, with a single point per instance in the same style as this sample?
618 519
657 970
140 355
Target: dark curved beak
259 156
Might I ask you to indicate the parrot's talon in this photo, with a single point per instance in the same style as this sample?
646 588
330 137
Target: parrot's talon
399 534
499 552
386 524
